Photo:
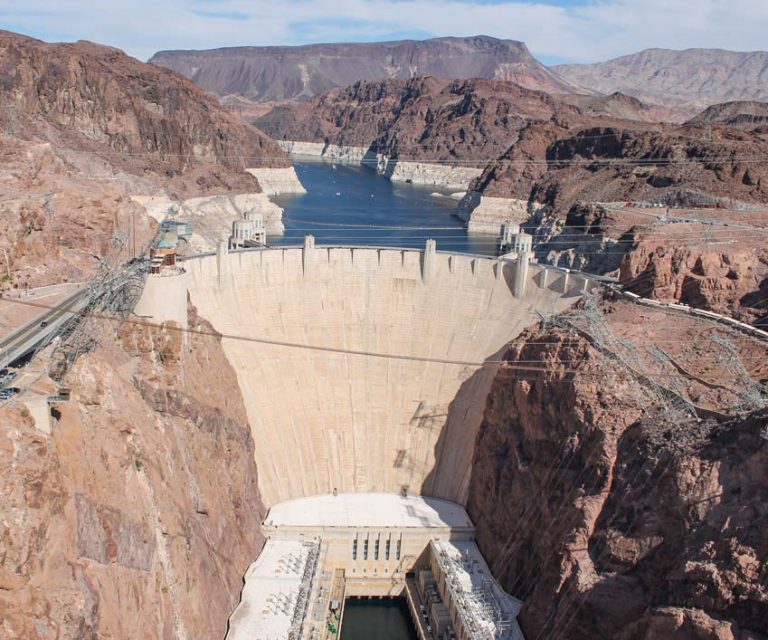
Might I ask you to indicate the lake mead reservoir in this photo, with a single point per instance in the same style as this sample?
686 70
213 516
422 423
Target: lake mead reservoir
352 205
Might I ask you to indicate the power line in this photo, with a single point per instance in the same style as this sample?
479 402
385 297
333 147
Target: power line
479 163
337 350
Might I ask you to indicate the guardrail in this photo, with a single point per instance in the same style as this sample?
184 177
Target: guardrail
474 256
732 322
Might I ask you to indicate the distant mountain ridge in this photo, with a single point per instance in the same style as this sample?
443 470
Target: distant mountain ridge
283 73
697 78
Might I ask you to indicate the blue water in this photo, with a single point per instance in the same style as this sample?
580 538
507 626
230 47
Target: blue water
352 205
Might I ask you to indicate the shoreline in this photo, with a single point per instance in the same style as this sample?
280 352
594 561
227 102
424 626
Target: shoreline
409 171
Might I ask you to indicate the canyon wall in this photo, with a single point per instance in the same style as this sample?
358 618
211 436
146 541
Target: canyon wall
608 512
445 175
140 504
426 130
519 152
325 151
486 214
277 180
88 133
147 121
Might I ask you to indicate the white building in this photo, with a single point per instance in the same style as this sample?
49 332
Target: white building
249 231
514 241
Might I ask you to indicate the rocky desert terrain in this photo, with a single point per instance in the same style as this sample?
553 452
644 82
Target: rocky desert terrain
692 78
90 136
619 477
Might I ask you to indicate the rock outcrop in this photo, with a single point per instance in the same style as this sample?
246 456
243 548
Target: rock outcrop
140 504
617 163
280 73
610 514
685 265
749 115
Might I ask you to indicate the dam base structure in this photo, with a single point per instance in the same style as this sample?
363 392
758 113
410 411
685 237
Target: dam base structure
323 549
366 370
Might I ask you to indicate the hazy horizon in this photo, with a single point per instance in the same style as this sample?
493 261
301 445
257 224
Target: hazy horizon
556 31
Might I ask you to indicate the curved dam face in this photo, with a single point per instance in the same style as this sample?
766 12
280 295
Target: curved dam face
394 395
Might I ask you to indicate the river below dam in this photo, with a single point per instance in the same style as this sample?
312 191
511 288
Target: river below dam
377 619
353 205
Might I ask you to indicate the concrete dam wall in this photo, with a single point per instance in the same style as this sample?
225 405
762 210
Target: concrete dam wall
400 411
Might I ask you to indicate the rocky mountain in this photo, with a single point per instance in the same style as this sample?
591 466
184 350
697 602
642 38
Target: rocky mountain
619 105
669 164
529 146
612 515
424 119
86 132
693 78
280 73
748 115
91 100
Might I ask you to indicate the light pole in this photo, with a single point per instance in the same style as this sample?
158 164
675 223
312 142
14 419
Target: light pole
7 264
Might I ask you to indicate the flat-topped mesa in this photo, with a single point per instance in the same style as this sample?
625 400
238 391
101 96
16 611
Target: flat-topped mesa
265 74
366 369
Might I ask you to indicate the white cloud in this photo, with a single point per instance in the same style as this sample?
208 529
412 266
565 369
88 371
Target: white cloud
576 31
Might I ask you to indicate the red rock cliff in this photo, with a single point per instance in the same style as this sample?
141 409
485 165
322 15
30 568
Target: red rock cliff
137 516
611 517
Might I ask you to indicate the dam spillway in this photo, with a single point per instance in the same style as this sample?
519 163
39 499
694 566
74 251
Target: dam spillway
401 351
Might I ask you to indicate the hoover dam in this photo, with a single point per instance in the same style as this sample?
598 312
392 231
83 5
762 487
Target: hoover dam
364 373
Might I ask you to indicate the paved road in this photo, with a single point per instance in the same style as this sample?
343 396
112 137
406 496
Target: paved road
15 310
41 328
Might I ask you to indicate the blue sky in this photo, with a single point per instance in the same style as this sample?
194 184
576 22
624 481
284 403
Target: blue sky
554 30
